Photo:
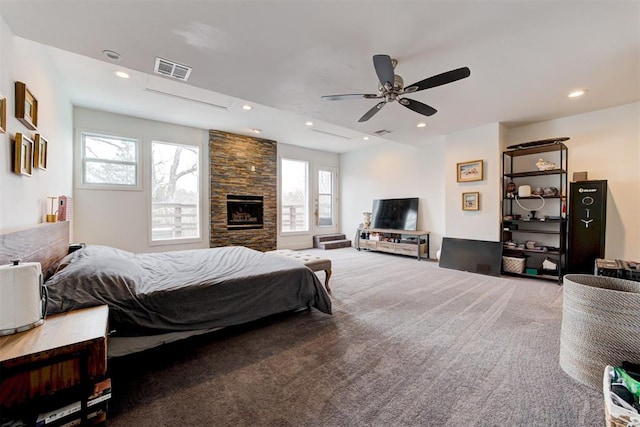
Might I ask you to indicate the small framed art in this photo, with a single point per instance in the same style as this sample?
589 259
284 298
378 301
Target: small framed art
26 106
41 149
470 171
3 114
471 201
23 159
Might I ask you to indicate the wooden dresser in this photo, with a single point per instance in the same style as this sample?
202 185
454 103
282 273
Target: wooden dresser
67 352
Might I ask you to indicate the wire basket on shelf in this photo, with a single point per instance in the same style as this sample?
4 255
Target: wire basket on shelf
513 264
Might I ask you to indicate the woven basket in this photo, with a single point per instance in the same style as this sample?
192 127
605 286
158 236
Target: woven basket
513 265
600 326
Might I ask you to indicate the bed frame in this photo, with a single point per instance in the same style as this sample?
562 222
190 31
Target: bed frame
45 243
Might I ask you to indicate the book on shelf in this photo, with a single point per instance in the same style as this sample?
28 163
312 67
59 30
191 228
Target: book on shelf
69 414
57 414
93 417
100 389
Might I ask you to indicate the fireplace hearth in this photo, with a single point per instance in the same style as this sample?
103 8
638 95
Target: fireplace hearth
244 212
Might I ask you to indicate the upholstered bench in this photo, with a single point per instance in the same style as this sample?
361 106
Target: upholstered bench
314 263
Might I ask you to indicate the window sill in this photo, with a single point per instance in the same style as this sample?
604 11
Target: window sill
168 242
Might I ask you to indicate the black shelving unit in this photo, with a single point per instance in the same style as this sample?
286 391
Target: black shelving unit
539 220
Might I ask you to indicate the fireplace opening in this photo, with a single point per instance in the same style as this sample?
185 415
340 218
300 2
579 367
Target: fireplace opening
244 212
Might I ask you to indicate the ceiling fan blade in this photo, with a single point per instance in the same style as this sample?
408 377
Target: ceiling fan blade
418 107
384 69
350 96
439 80
372 111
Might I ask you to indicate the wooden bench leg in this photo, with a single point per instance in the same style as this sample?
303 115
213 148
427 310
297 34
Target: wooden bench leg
327 275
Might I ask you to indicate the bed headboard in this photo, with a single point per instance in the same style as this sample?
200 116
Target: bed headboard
44 243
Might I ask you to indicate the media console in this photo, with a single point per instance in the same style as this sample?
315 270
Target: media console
402 242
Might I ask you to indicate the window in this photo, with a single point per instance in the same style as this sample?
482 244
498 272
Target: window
109 161
325 198
175 192
294 195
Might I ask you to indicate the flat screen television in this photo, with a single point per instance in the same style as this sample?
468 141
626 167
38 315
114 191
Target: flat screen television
397 214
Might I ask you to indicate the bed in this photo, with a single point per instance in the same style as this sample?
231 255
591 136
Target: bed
157 298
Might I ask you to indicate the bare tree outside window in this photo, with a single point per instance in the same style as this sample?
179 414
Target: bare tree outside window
109 160
174 191
294 195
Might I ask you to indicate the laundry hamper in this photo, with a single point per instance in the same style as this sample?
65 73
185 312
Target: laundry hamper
600 326
615 415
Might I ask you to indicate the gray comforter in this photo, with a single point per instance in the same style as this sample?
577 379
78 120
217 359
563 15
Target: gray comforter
183 290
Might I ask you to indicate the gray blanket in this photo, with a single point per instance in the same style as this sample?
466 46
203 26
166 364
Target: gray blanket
183 290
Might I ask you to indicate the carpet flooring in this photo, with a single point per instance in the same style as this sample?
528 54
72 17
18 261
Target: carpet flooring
409 344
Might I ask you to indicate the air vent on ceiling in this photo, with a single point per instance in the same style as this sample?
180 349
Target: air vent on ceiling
330 133
172 69
382 132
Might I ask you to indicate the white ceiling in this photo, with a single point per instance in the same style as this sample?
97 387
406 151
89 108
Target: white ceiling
282 56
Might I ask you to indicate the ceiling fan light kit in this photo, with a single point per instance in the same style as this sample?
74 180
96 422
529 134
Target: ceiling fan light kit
391 87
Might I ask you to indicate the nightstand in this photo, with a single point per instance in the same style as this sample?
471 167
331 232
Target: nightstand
56 362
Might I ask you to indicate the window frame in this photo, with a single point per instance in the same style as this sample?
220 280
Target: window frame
82 161
332 196
199 207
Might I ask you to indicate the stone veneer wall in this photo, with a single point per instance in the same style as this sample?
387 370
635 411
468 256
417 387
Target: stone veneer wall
231 158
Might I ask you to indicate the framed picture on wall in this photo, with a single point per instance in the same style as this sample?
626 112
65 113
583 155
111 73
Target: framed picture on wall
471 201
470 171
41 148
3 114
26 106
23 159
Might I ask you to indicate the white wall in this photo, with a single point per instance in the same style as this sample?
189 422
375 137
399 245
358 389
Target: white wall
606 144
391 170
481 143
24 198
316 159
122 218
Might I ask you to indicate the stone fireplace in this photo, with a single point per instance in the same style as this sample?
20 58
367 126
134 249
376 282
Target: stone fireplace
243 191
244 212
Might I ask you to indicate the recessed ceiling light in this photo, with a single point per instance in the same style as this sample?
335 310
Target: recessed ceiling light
122 74
577 93
256 130
247 107
421 125
365 138
110 54
309 124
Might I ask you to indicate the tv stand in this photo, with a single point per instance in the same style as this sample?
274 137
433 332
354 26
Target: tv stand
402 242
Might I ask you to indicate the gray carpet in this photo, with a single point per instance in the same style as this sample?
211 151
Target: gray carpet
409 343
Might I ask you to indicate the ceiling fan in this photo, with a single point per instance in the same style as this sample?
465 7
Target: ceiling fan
391 87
